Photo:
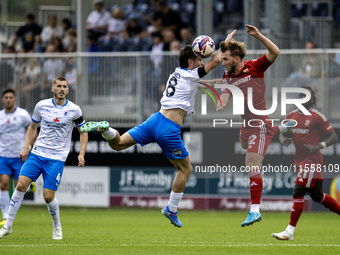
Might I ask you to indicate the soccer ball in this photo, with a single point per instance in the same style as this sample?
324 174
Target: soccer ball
203 46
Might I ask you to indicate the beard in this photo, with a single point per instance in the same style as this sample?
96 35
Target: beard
232 68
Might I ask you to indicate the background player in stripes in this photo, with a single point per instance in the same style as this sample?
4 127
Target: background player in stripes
14 122
308 160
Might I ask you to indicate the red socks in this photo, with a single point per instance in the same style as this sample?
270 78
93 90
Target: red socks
330 203
296 211
255 185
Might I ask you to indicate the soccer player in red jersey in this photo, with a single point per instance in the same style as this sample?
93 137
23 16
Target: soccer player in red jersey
244 75
308 160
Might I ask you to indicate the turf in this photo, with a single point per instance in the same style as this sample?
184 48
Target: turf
145 231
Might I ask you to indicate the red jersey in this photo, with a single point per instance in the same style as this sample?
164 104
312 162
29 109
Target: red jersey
308 130
251 75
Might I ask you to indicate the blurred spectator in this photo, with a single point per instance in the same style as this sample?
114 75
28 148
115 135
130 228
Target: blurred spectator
165 18
175 45
29 82
311 62
93 63
29 35
157 50
117 23
59 47
70 40
66 24
50 31
168 37
98 20
186 36
52 67
133 28
7 69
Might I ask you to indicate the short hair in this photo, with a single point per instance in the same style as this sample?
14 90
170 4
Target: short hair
60 78
8 90
30 16
312 100
184 55
237 49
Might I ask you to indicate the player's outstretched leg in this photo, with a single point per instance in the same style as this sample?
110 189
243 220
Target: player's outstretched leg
172 216
99 127
251 219
5 232
284 235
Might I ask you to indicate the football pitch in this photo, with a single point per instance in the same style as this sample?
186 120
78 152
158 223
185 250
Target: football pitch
146 231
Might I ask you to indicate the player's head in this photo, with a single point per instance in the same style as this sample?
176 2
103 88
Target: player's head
60 87
8 98
233 53
312 101
188 59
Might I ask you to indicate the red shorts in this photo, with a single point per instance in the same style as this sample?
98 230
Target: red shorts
258 138
308 172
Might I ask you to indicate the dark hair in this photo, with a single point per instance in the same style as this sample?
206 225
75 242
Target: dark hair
312 101
8 90
184 55
29 16
67 21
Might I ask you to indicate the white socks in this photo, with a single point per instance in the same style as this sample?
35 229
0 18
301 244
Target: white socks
255 208
14 206
290 229
53 208
4 203
109 134
174 200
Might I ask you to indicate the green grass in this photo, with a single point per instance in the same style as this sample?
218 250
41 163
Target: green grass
144 231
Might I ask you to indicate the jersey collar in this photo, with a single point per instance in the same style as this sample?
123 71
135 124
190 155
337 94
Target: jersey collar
59 105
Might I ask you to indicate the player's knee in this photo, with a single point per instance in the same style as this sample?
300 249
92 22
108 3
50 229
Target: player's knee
48 198
186 170
4 186
21 187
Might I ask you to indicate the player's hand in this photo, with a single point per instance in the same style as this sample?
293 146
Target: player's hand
251 30
219 106
81 161
311 148
230 36
285 141
24 154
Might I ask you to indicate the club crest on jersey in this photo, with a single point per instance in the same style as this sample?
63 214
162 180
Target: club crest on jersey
65 113
307 123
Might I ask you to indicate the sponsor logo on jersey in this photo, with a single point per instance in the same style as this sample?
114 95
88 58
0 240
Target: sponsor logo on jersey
56 119
307 123
177 152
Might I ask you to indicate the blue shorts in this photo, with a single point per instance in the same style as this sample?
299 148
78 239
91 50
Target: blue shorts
10 166
51 170
165 132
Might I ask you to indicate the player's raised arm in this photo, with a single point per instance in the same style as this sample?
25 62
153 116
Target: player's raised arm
273 50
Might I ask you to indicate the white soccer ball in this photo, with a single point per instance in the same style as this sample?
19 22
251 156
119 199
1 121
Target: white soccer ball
203 46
